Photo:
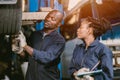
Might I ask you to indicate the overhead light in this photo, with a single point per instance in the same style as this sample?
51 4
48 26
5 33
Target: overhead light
99 1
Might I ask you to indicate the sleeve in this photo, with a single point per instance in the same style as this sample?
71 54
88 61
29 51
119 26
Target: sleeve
72 67
107 64
52 52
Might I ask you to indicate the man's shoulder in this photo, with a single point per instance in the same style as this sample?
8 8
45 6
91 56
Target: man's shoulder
58 37
36 33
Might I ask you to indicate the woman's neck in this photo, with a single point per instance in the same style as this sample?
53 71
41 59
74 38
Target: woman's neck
89 40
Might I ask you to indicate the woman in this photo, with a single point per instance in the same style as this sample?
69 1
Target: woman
92 55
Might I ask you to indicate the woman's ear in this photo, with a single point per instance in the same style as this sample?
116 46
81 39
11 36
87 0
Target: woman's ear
59 24
90 30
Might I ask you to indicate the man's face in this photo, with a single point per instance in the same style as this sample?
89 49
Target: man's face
52 20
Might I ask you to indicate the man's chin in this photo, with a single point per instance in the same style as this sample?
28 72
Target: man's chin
79 37
47 28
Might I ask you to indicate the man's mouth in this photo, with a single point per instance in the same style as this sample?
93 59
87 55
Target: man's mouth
46 24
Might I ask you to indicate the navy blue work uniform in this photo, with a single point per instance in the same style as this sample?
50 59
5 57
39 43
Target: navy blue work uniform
43 65
89 58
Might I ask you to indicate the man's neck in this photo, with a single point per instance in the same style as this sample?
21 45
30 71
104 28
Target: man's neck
48 31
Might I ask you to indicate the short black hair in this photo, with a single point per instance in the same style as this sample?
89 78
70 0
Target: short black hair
58 12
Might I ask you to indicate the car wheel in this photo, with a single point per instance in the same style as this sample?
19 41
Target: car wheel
10 17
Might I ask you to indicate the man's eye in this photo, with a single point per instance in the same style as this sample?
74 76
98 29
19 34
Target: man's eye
47 17
53 18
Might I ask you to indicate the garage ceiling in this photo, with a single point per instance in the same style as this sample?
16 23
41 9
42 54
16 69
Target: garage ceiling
109 10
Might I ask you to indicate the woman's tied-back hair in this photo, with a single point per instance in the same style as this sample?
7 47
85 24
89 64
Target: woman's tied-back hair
100 26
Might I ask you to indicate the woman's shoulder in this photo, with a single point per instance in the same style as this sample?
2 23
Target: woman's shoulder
103 45
105 48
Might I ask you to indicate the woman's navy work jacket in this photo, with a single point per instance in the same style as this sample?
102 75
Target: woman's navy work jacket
89 58
43 65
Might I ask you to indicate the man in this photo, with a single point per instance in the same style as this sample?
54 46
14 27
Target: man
46 48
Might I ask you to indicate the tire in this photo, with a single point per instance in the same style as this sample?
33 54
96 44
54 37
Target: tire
10 18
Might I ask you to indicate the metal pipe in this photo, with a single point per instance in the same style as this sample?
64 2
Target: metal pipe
94 9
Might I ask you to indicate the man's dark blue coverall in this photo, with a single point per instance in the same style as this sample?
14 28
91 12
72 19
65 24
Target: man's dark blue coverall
43 65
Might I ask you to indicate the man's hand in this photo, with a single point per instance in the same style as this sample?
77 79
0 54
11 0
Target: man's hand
16 48
22 39
18 42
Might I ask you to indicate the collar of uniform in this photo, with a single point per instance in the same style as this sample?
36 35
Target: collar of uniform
51 34
95 42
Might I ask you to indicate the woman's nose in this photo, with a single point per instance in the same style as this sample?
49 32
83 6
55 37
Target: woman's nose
78 29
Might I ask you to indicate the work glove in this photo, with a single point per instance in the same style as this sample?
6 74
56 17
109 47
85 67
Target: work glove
16 48
22 39
18 42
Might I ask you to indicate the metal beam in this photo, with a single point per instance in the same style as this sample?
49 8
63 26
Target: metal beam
94 9
33 16
78 6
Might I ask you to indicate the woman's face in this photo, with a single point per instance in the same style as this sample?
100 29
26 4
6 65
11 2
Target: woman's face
83 30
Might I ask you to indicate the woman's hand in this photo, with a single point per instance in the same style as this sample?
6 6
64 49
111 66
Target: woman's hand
83 70
75 75
86 77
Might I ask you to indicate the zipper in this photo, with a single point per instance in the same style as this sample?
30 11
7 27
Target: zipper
83 60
